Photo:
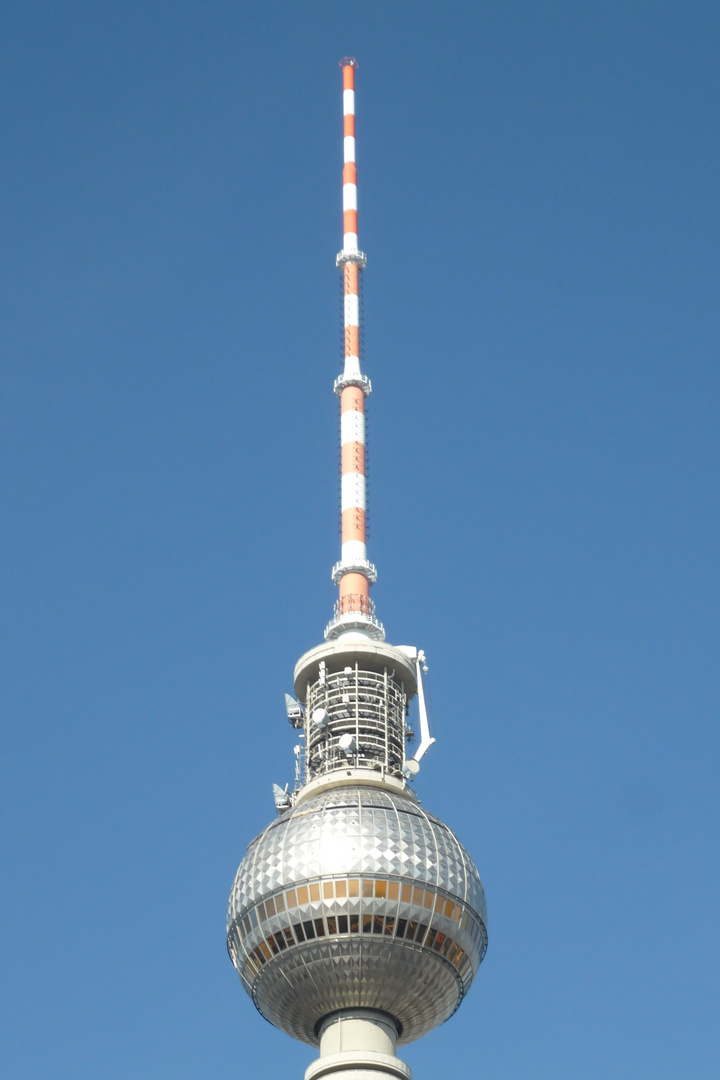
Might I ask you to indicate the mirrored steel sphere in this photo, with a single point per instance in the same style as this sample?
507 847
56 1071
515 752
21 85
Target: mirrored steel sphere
357 897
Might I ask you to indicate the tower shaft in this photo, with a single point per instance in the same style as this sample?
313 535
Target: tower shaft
358 1044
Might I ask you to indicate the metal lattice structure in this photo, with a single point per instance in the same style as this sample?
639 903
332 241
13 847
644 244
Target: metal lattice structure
365 711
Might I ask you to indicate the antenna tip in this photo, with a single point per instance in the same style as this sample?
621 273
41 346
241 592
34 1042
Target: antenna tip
349 61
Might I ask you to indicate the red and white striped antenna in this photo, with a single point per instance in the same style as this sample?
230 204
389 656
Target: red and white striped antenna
354 610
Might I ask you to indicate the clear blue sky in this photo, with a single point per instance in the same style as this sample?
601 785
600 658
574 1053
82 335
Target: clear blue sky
539 202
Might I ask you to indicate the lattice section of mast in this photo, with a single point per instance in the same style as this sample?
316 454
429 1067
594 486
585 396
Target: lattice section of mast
355 717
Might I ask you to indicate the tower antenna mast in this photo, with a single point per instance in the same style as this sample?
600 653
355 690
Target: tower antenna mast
353 574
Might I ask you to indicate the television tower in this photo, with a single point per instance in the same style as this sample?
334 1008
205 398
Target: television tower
357 920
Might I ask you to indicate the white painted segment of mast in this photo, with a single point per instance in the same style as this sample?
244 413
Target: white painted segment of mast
352 427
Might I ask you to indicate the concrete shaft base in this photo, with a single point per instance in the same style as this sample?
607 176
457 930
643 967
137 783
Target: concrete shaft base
358 1044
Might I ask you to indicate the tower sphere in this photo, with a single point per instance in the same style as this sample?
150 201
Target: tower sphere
357 897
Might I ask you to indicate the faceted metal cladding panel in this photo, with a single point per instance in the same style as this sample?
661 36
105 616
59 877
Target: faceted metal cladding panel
307 983
409 939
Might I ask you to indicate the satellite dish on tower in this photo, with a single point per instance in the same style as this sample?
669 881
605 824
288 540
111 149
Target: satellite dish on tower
411 768
347 745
